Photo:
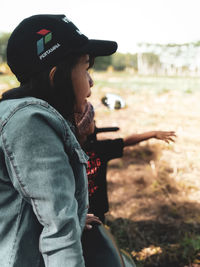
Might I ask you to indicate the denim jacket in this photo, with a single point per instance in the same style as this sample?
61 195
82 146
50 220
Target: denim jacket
43 187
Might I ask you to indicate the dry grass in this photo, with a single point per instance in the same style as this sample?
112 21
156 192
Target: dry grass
154 190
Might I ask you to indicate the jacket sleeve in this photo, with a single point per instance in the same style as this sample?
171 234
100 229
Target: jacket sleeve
40 170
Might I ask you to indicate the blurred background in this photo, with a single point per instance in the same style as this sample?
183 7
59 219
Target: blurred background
154 189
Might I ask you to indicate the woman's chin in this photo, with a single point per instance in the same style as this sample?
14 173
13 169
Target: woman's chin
81 108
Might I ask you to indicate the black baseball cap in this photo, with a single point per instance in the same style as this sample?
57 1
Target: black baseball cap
42 41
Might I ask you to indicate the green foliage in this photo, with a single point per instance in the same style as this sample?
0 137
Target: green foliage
131 61
3 44
119 61
191 246
102 63
151 58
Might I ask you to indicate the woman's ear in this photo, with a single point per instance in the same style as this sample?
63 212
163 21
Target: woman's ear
51 75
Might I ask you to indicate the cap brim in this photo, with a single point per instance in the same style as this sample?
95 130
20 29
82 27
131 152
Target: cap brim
99 47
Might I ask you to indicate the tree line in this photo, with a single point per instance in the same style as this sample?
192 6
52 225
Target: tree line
161 59
118 61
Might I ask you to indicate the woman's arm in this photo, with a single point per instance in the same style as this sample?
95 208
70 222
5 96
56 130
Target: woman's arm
40 170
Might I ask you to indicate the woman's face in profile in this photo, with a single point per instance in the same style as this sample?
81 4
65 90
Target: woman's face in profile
82 82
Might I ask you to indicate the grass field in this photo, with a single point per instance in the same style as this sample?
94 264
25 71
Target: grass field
154 190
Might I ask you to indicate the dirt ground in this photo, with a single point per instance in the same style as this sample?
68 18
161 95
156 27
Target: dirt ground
154 189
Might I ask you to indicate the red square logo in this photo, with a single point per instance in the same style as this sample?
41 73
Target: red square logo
43 32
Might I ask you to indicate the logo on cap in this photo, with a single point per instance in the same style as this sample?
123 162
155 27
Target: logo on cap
65 19
47 36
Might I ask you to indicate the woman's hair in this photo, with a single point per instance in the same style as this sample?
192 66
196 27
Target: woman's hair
58 92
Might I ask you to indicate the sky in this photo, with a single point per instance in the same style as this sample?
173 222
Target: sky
128 22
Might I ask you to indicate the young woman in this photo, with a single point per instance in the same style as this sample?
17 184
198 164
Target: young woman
43 183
